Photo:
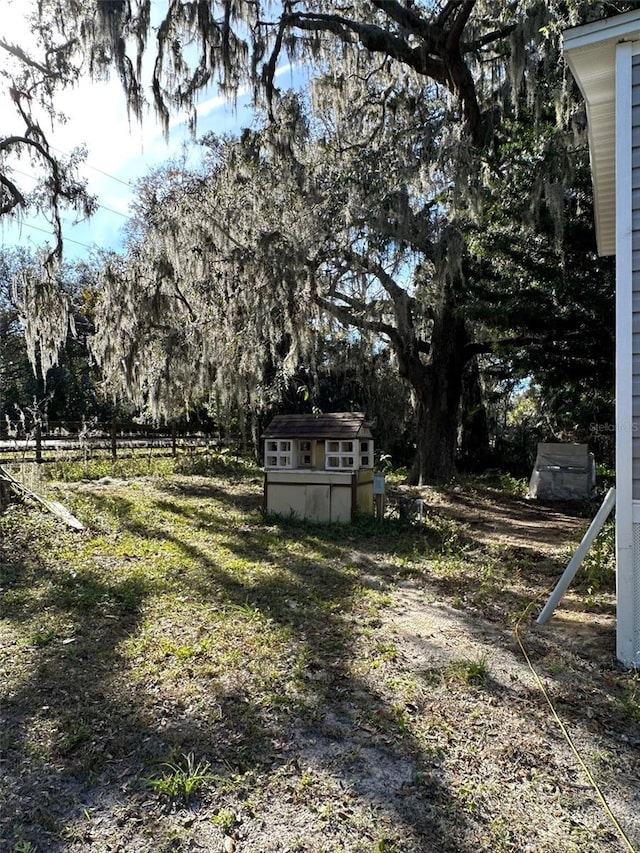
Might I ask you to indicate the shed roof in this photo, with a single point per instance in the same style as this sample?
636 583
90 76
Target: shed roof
336 425
590 52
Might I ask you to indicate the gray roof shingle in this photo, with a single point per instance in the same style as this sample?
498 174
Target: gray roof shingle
335 425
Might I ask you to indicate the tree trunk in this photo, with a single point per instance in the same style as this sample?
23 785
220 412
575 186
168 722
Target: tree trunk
437 387
474 437
436 439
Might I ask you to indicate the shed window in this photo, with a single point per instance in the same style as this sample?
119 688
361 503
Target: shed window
340 455
305 456
278 454
366 454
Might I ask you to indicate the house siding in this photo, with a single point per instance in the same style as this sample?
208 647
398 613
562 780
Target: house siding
635 219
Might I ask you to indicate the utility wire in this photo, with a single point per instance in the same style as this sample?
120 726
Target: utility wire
50 234
101 206
96 169
107 175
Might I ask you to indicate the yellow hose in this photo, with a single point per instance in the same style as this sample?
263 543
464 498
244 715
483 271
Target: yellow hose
605 805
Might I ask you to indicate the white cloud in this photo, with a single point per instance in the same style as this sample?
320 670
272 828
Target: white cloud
120 150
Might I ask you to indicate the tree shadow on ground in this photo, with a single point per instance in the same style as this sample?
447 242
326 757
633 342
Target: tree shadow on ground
240 493
61 730
312 599
494 516
528 572
77 737
74 738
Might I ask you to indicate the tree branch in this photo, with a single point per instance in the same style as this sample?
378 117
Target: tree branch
487 38
16 196
19 53
406 17
347 318
488 347
270 69
460 21
373 38
438 54
398 294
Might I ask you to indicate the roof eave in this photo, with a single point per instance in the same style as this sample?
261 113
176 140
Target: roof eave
590 51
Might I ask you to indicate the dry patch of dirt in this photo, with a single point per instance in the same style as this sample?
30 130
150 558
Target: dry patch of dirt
499 518
517 757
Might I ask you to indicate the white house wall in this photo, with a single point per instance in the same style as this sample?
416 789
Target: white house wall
627 138
604 59
635 225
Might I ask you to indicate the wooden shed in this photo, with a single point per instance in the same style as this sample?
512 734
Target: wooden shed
319 467
604 57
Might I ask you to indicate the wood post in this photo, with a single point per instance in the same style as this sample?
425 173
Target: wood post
38 437
5 494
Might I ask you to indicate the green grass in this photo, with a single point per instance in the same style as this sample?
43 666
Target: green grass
177 651
165 587
627 702
597 572
464 671
181 780
132 464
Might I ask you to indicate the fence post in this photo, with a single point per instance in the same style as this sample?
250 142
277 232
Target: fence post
38 436
114 443
174 434
5 494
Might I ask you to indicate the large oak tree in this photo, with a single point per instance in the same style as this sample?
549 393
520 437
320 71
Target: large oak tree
460 73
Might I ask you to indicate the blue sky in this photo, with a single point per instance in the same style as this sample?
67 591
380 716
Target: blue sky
119 151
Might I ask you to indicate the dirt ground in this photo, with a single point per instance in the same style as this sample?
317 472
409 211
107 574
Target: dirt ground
529 524
561 674
543 755
456 724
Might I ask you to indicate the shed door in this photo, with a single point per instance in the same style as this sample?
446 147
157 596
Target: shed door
341 497
317 504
